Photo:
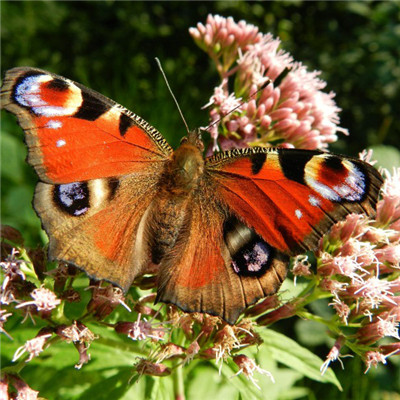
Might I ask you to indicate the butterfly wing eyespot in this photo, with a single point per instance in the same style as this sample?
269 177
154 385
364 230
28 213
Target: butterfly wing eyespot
250 254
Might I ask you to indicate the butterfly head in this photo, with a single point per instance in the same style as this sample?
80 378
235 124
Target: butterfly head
194 138
187 163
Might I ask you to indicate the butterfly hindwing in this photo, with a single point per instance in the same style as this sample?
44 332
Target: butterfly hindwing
97 225
222 266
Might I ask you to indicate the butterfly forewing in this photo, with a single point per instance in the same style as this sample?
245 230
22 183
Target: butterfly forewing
76 134
292 197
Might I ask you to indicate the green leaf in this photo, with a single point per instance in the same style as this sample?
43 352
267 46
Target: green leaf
312 333
205 379
291 354
387 156
113 387
13 153
289 290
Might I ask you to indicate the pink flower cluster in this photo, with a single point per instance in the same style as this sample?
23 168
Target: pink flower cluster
359 264
222 38
275 100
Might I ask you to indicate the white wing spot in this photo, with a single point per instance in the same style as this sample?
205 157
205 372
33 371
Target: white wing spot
313 201
298 213
53 124
325 191
61 143
27 92
355 184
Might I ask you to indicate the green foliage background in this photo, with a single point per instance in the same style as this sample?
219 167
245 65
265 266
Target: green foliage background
110 46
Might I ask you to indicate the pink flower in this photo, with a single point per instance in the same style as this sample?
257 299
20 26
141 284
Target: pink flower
192 350
248 367
34 346
146 367
389 254
285 311
3 319
301 267
353 226
374 331
222 38
77 332
374 291
105 299
373 358
141 329
341 308
24 392
333 355
12 270
313 108
388 209
43 299
169 351
3 389
267 304
225 340
81 336
390 349
262 62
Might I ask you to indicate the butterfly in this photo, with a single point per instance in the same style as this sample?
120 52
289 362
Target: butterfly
118 202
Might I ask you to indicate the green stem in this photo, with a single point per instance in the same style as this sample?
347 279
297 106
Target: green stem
179 388
330 324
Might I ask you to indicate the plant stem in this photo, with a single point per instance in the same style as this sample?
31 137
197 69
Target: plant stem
179 388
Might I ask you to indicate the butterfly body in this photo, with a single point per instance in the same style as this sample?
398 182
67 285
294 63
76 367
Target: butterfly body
117 201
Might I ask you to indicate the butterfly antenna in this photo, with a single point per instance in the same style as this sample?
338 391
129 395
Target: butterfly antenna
265 84
172 94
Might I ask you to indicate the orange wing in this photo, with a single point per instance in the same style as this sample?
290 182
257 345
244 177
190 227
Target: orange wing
292 197
76 134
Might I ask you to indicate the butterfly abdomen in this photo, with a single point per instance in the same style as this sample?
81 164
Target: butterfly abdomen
166 224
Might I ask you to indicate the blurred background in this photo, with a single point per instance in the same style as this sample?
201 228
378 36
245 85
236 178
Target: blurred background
110 47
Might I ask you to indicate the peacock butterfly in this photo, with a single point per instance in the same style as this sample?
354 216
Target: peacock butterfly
117 201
